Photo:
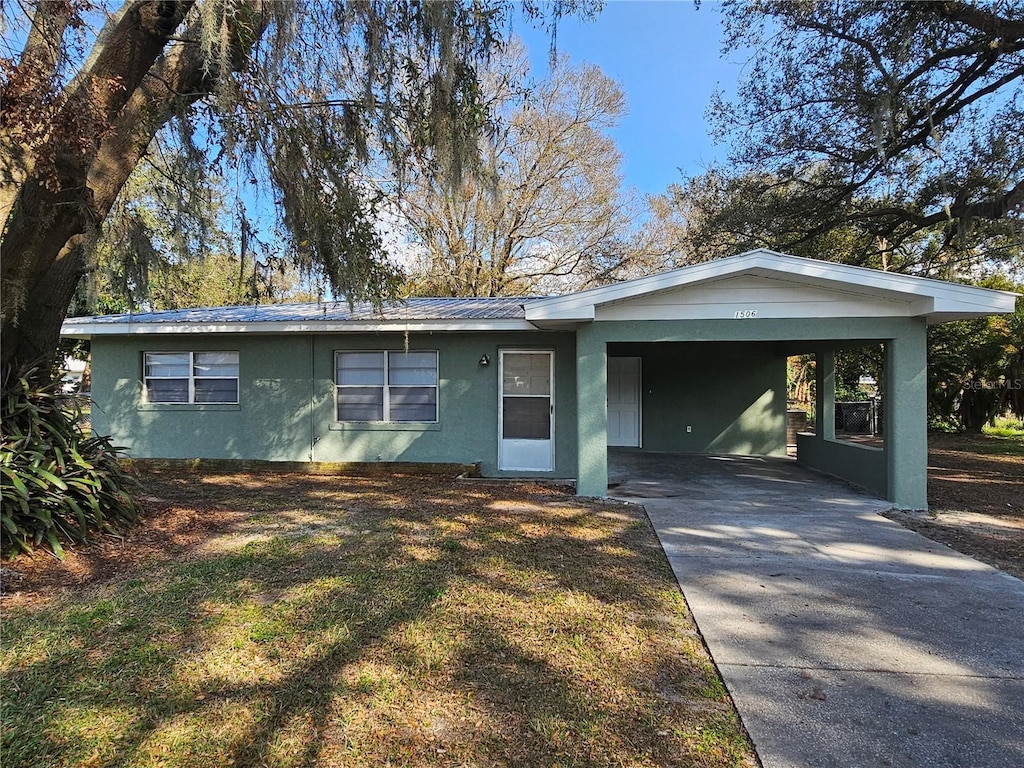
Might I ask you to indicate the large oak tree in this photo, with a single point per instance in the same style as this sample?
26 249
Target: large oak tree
291 98
896 127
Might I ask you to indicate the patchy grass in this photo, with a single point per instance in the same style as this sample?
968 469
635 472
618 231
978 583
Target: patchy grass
990 444
329 621
1006 427
977 473
1001 440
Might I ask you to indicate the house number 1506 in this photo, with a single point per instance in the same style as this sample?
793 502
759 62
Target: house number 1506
745 314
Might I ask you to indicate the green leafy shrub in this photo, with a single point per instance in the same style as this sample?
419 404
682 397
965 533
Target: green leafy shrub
1005 427
58 483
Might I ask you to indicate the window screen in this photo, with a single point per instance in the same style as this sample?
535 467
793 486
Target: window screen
191 377
387 386
526 418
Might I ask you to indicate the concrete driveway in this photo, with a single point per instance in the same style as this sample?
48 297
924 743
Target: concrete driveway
844 639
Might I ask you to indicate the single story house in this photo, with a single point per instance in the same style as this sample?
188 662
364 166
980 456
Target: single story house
691 360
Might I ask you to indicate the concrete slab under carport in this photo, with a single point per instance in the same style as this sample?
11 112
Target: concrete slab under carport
844 639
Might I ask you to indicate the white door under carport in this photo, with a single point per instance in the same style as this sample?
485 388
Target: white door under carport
624 401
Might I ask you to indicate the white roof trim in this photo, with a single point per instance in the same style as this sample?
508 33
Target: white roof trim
75 329
934 299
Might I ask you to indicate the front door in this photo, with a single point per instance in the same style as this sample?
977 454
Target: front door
526 417
624 401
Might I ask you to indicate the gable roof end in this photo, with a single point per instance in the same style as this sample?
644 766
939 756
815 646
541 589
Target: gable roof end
936 300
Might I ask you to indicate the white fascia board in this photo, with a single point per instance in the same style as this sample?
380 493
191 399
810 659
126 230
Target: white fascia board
946 295
926 295
947 309
908 285
85 330
976 299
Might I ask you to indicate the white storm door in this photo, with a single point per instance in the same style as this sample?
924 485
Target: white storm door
624 401
526 411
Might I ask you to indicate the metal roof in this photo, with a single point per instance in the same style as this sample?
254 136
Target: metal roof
412 309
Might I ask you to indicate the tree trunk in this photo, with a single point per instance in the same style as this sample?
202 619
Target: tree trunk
977 405
35 334
59 190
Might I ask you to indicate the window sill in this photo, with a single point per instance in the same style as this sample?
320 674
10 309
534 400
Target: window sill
383 426
189 407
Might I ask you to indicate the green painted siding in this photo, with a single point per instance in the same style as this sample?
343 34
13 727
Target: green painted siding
285 414
899 470
906 417
829 329
731 396
271 421
725 378
592 393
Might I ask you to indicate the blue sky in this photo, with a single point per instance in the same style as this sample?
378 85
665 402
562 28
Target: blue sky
665 56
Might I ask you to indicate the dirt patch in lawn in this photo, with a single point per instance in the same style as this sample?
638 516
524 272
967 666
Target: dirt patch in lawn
975 498
171 523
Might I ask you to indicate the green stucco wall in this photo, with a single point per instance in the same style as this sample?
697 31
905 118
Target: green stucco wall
898 471
906 417
859 464
286 414
724 378
732 396
270 422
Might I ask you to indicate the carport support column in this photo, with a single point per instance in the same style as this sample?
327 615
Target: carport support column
591 413
825 394
906 417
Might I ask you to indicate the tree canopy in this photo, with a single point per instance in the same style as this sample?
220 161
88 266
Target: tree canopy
545 212
976 367
286 101
898 124
172 241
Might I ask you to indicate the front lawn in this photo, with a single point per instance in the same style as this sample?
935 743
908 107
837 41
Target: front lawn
332 621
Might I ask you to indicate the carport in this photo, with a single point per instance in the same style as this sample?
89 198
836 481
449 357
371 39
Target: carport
711 341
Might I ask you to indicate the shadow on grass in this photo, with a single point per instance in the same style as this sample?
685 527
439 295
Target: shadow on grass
356 622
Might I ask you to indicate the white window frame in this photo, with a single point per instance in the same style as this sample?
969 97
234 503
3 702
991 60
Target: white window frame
387 386
192 377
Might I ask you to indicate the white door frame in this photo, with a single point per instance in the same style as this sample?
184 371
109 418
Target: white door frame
515 455
639 395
